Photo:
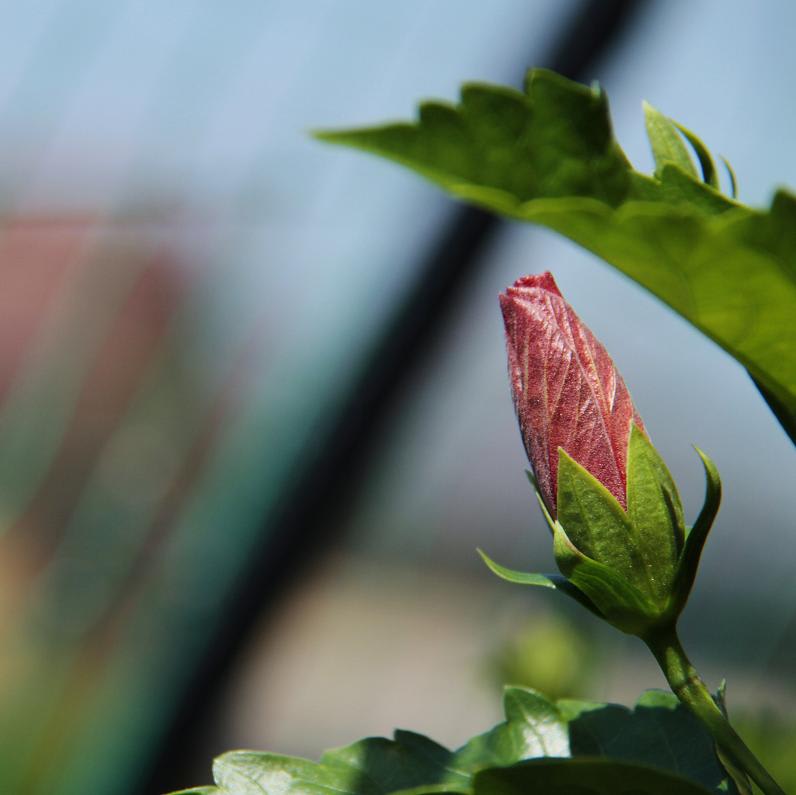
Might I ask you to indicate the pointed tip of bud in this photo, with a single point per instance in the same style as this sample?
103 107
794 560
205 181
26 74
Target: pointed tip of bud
528 284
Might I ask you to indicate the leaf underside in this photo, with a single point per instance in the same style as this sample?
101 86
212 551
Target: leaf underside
548 155
656 745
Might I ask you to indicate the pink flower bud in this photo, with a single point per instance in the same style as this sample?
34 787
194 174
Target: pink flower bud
567 391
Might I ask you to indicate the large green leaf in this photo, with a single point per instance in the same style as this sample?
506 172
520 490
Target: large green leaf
658 734
548 155
533 728
582 777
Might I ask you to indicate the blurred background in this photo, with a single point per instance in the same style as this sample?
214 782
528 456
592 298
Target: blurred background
254 411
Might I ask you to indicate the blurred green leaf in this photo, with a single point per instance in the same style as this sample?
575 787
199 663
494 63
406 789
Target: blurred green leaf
773 739
658 733
548 155
582 777
549 653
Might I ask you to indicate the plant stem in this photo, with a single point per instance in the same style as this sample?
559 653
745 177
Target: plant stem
687 685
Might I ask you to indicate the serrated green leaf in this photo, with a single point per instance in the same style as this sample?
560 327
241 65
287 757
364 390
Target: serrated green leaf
515 150
409 760
733 180
533 727
695 540
667 144
555 581
658 732
409 763
656 516
252 773
582 777
549 156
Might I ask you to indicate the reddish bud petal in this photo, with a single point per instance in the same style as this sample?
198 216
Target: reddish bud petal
567 391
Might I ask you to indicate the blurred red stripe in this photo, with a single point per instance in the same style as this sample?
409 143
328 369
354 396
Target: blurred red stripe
123 356
38 257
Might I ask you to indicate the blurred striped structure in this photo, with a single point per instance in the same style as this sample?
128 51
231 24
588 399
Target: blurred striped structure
192 288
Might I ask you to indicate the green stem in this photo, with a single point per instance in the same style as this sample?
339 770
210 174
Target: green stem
691 690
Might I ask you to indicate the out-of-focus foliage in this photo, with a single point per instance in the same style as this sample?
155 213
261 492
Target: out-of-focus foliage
551 655
773 739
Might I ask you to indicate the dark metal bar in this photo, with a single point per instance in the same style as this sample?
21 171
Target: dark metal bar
335 475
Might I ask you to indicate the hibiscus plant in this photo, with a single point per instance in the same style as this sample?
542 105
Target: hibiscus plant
620 537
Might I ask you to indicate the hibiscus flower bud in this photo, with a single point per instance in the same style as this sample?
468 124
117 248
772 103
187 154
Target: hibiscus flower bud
567 391
619 536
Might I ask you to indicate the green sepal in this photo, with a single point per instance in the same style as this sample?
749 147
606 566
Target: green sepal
542 504
554 581
656 517
731 174
695 540
666 142
594 521
620 602
706 163
551 523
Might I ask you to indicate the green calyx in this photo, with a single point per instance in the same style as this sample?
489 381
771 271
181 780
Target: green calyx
635 568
